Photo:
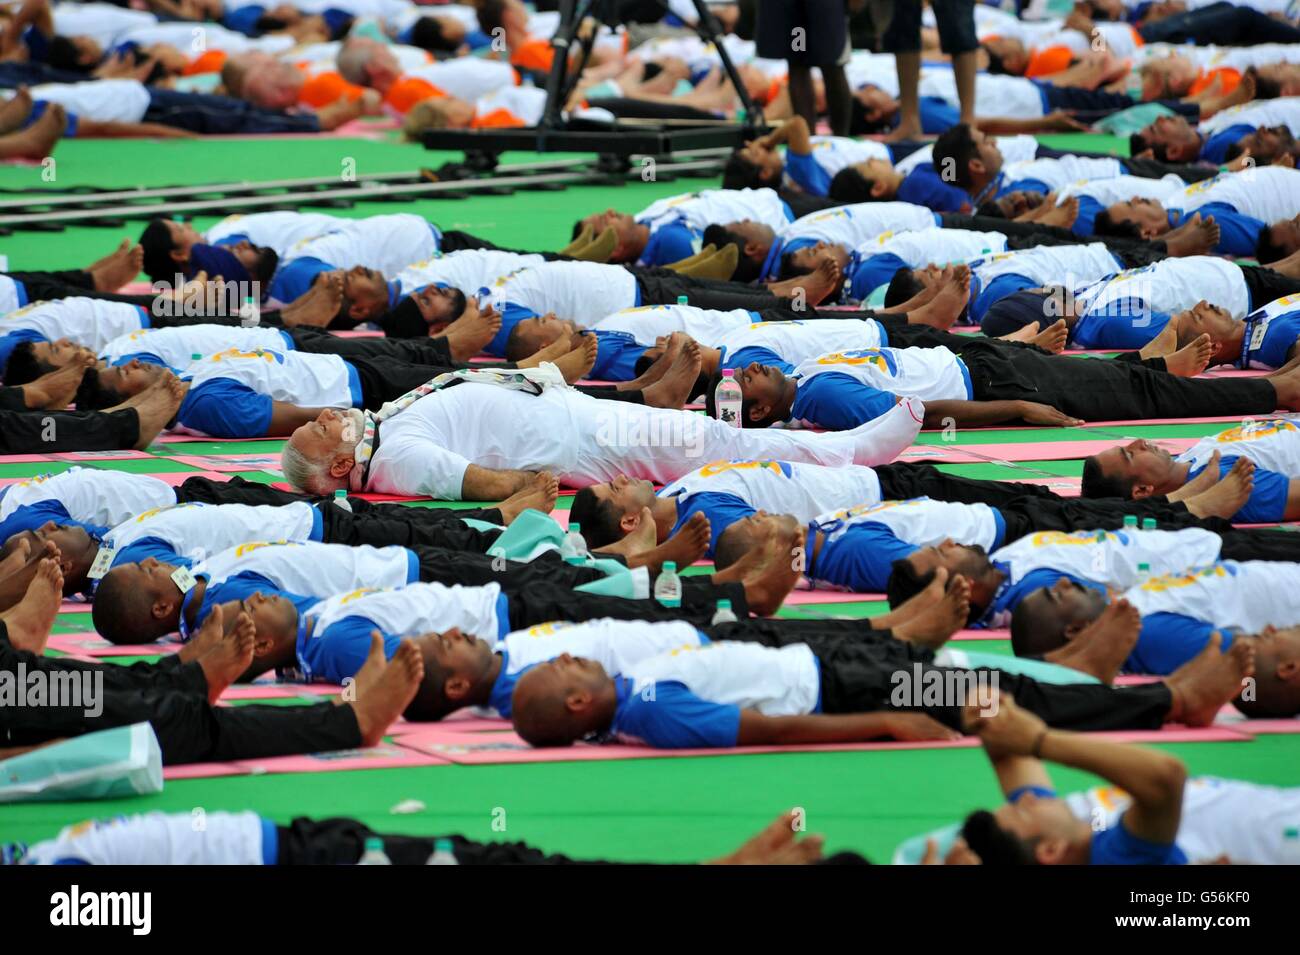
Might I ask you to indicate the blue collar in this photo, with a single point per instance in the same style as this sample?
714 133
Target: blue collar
394 292
991 189
773 256
182 627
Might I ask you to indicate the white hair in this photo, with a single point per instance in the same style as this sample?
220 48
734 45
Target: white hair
305 474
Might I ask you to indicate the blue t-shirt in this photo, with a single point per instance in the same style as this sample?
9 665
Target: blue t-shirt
859 559
671 242
1267 501
803 169
511 315
31 516
721 509
1118 846
923 187
1238 232
1009 595
674 718
1089 208
755 353
225 408
294 279
865 275
1167 641
835 401
1279 338
1122 323
1215 148
616 356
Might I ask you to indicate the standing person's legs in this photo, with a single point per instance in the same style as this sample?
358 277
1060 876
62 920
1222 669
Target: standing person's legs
956 22
903 38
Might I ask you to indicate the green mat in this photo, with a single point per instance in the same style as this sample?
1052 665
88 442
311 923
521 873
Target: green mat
653 810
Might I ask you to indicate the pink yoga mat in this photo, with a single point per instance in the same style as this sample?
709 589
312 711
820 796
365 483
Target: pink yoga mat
191 438
1266 727
383 756
804 598
93 645
278 691
203 770
226 463
981 635
124 454
1029 451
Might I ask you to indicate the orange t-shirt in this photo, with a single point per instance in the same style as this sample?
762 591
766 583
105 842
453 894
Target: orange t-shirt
409 90
210 61
1230 76
322 89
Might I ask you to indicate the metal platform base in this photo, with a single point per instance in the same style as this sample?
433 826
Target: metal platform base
615 145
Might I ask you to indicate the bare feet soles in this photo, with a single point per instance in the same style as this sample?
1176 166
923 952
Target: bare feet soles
1202 685
684 548
56 389
29 621
1226 497
576 364
230 655
1196 236
539 495
769 573
38 140
951 298
316 307
470 334
155 406
1101 648
678 383
1192 359
117 268
385 687
935 624
813 288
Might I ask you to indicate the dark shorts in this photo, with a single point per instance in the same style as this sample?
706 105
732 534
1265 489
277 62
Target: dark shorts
824 26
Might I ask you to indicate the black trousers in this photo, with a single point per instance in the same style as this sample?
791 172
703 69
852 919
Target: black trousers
663 286
899 482
442 566
41 432
538 602
1099 103
1223 23
859 676
1106 390
1031 514
383 379
774 632
342 841
1266 285
438 528
13 399
170 698
418 351
1259 544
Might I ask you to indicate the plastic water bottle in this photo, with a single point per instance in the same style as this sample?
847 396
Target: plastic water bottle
1144 573
574 548
341 500
668 586
727 399
1130 522
374 854
723 614
683 300
250 314
195 356
1148 523
442 854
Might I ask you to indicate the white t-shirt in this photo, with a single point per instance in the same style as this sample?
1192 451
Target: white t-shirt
9 298
104 23
176 346
931 374
782 487
1172 285
1283 111
300 378
156 838
196 530
1250 823
1246 596
1273 445
1123 188
387 243
647 323
853 225
90 322
108 101
415 608
467 77
1011 96
934 246
834 153
280 231
775 682
468 270
313 569
804 339
919 521
702 209
583 292
97 497
1267 193
1068 265
1059 173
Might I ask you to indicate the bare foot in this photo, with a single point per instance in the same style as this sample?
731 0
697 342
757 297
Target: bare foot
941 312
29 621
17 557
678 383
1208 477
56 389
539 494
1192 359
205 639
577 364
1202 685
933 626
659 367
231 657
155 406
1195 236
384 688
552 352
115 270
470 334
14 112
822 283
684 548
1165 343
38 140
1101 648
1227 496
1053 338
768 573
316 307
1061 216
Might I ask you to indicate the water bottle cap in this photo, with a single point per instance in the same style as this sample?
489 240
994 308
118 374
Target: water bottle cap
1148 523
1130 520
442 845
575 527
724 604
340 493
682 300
670 566
249 300
1143 567
374 844
195 356
728 373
